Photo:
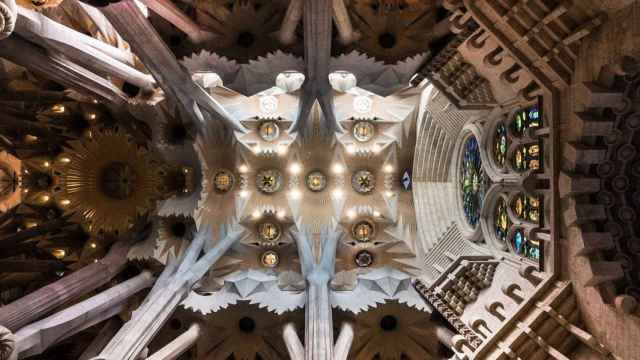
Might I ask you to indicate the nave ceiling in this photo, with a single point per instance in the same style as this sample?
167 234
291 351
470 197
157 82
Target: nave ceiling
349 179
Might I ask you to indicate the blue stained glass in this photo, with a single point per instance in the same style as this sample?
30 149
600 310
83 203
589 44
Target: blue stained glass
472 181
500 145
518 241
526 118
525 247
502 222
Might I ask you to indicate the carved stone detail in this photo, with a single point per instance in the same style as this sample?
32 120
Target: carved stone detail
7 344
8 17
474 341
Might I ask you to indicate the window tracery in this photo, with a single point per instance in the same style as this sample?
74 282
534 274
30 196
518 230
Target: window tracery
524 246
526 207
472 181
512 144
529 117
500 145
502 222
527 157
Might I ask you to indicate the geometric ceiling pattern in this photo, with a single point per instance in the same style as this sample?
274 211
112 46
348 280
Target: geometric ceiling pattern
320 180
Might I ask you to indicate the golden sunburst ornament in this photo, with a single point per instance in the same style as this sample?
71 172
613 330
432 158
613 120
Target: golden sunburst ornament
107 181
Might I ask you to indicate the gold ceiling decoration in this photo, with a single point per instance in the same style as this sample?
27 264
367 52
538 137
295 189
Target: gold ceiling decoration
363 230
107 181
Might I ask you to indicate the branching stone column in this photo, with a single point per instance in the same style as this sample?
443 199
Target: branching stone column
41 302
317 55
318 316
172 287
82 49
35 338
178 346
172 77
8 16
60 69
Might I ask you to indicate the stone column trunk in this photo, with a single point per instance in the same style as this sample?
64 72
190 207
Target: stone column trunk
292 341
167 10
319 322
41 302
172 287
35 338
445 336
343 23
287 35
344 342
109 329
179 345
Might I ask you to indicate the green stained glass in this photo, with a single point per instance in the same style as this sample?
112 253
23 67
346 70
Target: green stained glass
472 181
526 118
500 145
527 207
502 222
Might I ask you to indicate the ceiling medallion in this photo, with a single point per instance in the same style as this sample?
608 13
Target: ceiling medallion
364 131
269 181
269 131
118 180
269 232
223 181
270 259
363 181
364 258
108 182
268 104
362 104
316 181
363 231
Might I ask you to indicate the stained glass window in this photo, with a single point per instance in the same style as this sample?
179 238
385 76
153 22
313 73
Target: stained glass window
527 207
526 118
527 157
525 247
500 145
472 181
502 222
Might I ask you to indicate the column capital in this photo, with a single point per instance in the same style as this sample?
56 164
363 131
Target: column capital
8 17
7 344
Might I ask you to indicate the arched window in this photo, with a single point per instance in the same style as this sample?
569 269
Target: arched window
500 145
529 117
526 207
525 247
472 181
527 157
502 222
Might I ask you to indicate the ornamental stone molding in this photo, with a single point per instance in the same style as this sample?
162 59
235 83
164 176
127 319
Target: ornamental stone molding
8 17
7 345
